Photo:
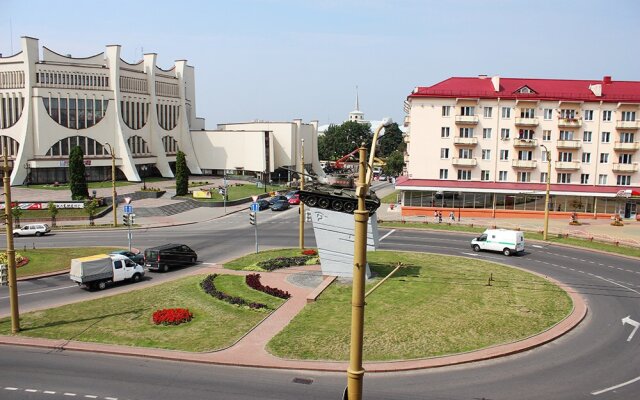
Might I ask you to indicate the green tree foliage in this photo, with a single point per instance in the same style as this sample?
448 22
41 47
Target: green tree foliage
391 141
77 179
16 213
340 140
182 175
395 163
91 208
53 212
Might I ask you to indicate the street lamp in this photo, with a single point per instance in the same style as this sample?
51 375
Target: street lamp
114 202
11 253
546 199
301 209
143 169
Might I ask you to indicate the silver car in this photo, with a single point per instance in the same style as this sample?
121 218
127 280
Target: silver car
32 229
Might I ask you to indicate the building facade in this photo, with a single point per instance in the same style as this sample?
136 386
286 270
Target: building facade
479 145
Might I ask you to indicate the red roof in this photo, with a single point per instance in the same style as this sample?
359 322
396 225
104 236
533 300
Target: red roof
542 89
511 187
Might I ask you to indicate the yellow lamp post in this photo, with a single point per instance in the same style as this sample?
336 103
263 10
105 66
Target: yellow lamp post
11 253
546 198
113 185
301 234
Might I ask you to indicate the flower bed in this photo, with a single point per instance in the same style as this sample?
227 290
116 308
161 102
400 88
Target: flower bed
172 316
283 262
20 259
253 281
309 252
210 288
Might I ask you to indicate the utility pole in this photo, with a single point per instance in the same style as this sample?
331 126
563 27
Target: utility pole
114 197
301 209
11 253
546 198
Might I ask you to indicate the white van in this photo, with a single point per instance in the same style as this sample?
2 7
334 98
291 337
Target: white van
506 241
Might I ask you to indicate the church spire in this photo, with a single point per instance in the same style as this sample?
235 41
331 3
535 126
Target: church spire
357 100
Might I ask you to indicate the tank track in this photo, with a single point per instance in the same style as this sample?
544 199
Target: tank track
337 200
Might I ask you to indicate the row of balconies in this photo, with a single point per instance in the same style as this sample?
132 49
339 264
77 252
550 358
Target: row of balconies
529 122
560 144
559 165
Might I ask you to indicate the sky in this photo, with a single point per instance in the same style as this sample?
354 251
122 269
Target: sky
278 60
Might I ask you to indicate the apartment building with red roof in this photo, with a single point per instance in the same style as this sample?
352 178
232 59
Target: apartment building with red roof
487 146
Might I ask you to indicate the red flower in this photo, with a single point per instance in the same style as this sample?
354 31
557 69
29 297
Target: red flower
172 316
309 252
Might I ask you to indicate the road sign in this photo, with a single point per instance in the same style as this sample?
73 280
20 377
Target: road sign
255 207
128 209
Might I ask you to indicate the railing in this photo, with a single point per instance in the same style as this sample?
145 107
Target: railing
466 162
568 144
620 167
523 163
569 122
525 143
567 165
626 146
627 124
465 141
527 121
466 119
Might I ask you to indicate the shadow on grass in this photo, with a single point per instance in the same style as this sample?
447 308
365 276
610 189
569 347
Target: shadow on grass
95 319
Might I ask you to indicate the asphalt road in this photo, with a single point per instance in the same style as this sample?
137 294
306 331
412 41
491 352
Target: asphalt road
595 360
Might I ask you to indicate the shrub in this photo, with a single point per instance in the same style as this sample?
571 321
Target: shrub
210 288
253 281
283 262
172 316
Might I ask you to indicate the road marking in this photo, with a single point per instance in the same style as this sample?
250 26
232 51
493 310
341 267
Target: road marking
617 284
49 392
635 324
91 396
616 386
41 291
111 398
389 233
10 388
537 246
70 394
31 390
471 254
208 263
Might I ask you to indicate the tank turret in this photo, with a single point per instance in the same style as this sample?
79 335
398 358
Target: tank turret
336 199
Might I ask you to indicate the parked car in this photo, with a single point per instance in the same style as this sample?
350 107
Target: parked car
32 229
291 193
273 199
383 177
137 258
263 204
161 258
295 199
280 205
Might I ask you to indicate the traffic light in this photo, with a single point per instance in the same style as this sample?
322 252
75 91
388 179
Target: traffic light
4 277
125 219
252 218
132 219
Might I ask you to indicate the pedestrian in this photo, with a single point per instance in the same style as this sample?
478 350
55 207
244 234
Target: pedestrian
435 216
439 216
452 216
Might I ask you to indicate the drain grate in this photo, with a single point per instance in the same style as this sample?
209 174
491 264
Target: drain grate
303 381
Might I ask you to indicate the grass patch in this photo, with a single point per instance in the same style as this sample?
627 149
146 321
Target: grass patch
250 261
126 319
578 242
92 185
44 215
391 197
42 261
437 305
240 191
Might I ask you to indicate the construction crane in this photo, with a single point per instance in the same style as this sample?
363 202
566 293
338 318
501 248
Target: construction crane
339 164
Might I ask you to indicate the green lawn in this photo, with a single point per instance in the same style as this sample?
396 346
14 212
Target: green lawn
240 191
438 305
43 261
45 216
126 319
250 261
391 197
92 185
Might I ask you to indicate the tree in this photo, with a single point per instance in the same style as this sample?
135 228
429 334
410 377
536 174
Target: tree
340 140
91 208
53 211
391 141
16 213
77 179
395 164
182 175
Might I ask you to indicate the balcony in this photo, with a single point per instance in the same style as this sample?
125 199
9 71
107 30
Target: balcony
405 138
618 167
569 122
567 165
527 121
625 146
464 162
465 141
407 120
523 164
627 124
525 143
466 119
568 144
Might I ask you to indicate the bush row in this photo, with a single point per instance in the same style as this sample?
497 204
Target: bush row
209 287
283 262
253 281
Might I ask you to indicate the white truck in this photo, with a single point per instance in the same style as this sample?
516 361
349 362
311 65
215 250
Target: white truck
95 272
503 240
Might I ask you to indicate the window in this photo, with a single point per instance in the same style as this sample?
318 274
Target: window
566 135
526 134
488 112
486 133
506 112
502 175
543 156
548 113
504 133
623 180
626 137
504 155
565 156
588 115
526 155
586 158
464 175
606 115
606 137
602 179
628 115
466 132
465 153
584 179
568 113
564 178
543 177
444 174
524 176
586 136
446 111
444 153
527 113
604 158
484 175
444 132
546 135
625 158
486 154
467 111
